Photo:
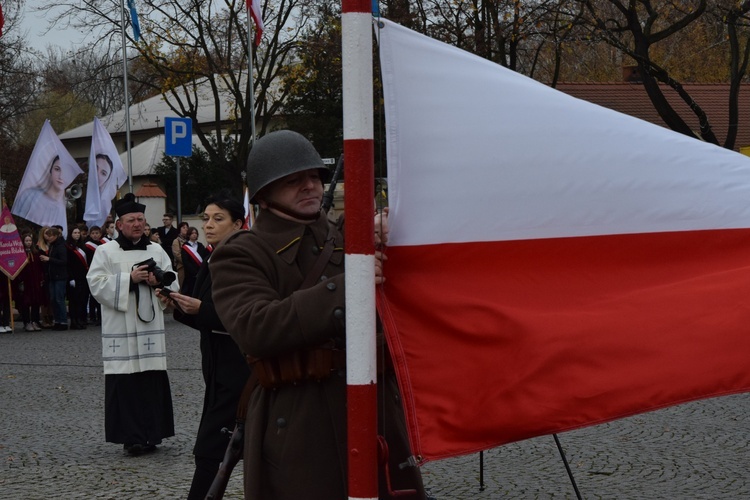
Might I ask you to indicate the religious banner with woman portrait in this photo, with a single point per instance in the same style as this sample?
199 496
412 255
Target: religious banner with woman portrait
51 169
106 176
12 253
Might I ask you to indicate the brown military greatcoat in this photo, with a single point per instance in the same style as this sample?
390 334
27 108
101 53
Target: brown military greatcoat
295 437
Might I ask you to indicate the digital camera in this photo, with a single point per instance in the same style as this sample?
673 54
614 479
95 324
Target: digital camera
165 278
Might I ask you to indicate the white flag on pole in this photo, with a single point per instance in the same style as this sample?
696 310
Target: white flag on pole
106 176
51 169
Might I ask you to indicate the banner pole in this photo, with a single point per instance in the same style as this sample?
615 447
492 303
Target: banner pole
359 168
251 80
10 306
127 98
567 466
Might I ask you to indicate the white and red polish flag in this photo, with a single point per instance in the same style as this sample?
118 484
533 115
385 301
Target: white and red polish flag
249 215
253 6
551 264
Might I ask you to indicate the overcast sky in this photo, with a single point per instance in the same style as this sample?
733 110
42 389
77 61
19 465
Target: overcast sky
34 24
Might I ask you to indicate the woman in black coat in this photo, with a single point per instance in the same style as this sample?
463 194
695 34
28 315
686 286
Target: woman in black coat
78 290
30 287
57 263
225 371
193 254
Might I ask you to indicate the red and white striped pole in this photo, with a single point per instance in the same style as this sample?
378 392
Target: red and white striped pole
356 42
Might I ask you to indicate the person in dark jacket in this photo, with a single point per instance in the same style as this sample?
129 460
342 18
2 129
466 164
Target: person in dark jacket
57 261
224 368
192 255
287 312
30 291
78 289
43 250
90 245
5 310
167 234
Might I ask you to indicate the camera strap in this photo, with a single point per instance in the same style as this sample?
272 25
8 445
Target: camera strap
138 305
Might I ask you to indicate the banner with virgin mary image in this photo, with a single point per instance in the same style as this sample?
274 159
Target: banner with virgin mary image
106 176
51 169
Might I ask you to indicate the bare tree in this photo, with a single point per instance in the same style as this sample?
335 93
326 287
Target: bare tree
18 78
635 28
735 15
194 48
93 76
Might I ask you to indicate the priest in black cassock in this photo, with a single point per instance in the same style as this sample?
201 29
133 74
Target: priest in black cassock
138 400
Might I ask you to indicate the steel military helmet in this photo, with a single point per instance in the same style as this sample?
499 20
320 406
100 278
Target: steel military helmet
278 154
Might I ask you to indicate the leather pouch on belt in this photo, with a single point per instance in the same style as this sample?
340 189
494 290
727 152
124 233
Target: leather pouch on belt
268 373
319 363
291 368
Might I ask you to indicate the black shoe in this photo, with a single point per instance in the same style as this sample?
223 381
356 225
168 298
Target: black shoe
60 327
139 449
134 449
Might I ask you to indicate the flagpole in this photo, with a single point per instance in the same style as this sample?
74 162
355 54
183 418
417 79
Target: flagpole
356 42
251 80
127 99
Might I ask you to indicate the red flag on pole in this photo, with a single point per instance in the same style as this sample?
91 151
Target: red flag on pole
255 11
551 264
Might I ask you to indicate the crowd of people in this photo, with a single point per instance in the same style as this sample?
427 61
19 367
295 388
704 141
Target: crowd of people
51 291
269 306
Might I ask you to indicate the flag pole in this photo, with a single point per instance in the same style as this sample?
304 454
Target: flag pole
359 165
251 81
10 305
127 99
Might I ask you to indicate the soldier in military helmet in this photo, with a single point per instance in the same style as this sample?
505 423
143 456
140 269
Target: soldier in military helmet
279 290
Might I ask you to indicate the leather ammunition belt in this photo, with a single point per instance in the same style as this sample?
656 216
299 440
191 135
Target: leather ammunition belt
298 366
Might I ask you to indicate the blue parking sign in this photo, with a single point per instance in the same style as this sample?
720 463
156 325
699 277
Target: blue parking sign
178 134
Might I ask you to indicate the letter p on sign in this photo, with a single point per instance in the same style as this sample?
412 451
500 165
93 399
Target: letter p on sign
178 134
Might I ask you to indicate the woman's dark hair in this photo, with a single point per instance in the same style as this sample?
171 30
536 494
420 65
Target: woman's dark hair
70 241
57 157
48 184
28 233
192 230
225 201
183 223
104 157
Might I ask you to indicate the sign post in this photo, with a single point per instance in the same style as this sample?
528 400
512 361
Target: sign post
178 136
